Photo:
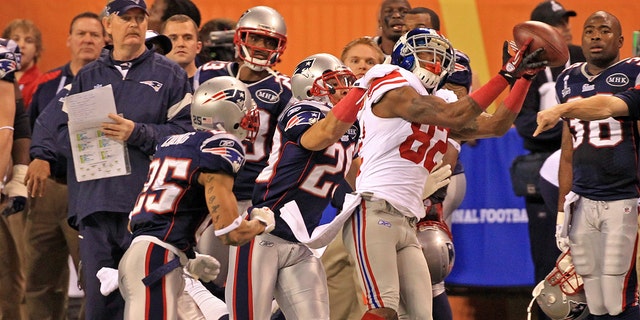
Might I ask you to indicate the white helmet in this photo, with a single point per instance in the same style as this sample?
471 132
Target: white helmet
442 63
260 21
561 294
225 104
437 247
319 76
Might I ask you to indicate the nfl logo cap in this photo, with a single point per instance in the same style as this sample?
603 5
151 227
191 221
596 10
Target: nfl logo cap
551 13
120 7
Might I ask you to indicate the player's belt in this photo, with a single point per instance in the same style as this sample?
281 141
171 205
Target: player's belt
374 203
164 269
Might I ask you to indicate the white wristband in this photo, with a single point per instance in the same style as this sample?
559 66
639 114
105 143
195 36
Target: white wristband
455 144
234 225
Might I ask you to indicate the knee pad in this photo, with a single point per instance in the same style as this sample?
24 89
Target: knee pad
583 253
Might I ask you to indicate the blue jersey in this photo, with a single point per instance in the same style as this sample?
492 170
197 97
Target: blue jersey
605 152
172 203
295 173
632 98
9 59
462 74
272 96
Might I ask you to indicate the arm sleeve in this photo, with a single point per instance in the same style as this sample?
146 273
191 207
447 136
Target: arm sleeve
146 135
22 128
632 98
299 119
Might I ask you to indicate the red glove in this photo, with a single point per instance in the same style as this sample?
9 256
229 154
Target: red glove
520 65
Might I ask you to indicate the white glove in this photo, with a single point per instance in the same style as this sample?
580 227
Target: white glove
16 187
108 280
561 242
377 71
438 178
203 267
264 215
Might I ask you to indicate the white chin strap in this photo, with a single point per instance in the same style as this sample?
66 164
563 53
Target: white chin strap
536 292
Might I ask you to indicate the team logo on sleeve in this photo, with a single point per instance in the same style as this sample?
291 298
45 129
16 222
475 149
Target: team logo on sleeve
233 95
228 153
303 118
7 66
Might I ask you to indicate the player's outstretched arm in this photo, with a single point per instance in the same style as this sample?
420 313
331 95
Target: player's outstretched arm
496 124
341 117
411 106
223 207
592 108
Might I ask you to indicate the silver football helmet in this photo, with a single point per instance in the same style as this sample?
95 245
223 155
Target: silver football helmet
260 22
437 247
319 76
426 53
561 294
225 104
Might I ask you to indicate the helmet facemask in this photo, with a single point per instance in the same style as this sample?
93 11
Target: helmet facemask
561 294
258 58
333 82
321 77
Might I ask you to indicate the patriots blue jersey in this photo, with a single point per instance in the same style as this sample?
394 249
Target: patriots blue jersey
272 96
462 74
295 173
632 98
172 203
605 156
9 59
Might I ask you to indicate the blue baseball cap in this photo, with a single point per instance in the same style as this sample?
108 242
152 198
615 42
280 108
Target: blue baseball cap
120 7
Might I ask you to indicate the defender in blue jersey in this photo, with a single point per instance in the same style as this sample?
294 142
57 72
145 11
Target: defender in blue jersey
313 148
260 39
599 169
189 184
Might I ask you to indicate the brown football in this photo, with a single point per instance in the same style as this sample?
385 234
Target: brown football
556 51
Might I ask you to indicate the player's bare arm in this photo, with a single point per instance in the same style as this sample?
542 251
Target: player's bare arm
565 169
593 108
408 104
459 90
224 209
7 112
351 175
337 121
487 125
324 133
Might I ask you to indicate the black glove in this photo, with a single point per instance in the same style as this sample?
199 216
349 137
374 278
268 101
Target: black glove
14 205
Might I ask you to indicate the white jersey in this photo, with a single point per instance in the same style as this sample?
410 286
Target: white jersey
397 155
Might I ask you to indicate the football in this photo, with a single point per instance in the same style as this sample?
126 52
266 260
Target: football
556 51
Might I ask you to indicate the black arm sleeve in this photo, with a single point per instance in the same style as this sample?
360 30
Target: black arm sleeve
21 126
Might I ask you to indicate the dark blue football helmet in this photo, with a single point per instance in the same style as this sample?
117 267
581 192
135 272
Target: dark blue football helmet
426 53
